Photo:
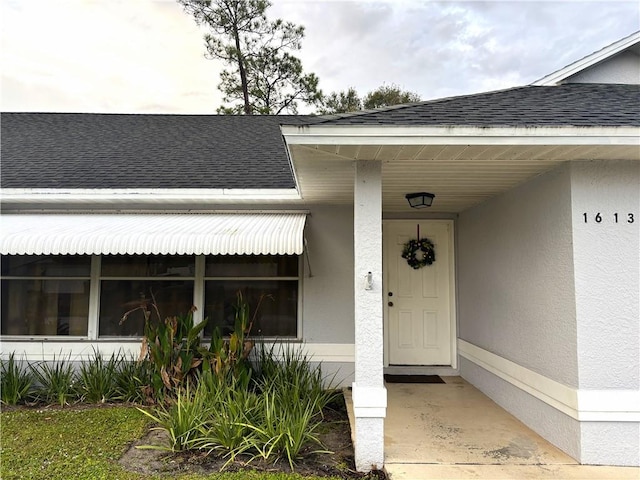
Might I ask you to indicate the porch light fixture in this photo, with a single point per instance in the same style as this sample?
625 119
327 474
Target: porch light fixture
420 199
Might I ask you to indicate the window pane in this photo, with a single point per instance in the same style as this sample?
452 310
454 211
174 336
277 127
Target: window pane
45 307
173 297
276 317
252 266
46 266
148 266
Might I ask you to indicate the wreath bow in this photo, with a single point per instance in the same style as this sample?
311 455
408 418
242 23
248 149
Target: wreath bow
419 253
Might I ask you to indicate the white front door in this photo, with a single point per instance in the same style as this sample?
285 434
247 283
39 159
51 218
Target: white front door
419 301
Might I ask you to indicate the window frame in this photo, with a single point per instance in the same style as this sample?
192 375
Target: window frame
56 278
298 279
96 278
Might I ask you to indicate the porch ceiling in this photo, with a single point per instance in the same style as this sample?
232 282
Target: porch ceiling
460 176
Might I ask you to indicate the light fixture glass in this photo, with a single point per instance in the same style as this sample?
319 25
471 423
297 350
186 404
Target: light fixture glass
420 199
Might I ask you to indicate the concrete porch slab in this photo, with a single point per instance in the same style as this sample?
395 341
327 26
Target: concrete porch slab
453 431
454 423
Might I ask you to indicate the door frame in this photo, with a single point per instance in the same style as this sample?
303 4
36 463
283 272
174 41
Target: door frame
452 288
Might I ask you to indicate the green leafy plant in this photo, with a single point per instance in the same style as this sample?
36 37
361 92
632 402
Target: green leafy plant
55 381
97 378
288 368
286 426
231 355
233 408
171 345
133 381
15 383
181 419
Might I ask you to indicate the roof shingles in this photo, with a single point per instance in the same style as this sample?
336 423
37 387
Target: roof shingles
143 151
578 105
70 151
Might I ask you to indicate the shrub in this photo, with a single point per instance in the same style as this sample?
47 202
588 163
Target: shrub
171 347
133 381
231 356
97 380
285 427
16 382
54 381
288 369
181 419
233 408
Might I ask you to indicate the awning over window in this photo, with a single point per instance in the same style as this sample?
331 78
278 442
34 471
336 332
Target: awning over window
169 234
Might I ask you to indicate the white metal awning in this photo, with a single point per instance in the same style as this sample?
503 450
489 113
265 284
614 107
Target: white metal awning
161 233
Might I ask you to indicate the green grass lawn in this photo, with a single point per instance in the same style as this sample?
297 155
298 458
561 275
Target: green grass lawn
82 444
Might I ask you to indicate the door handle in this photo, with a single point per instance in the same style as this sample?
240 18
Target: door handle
390 304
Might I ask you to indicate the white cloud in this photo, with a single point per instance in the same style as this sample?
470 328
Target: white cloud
105 56
147 55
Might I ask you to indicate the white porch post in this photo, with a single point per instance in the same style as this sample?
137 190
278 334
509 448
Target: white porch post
369 393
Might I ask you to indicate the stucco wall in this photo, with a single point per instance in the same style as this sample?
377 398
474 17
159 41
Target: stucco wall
607 278
327 315
607 271
623 68
515 277
558 295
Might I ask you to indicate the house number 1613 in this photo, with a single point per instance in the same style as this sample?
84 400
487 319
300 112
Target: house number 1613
615 218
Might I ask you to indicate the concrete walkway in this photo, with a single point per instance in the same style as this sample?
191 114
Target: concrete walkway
453 431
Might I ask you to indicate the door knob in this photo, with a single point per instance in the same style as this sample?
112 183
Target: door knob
390 304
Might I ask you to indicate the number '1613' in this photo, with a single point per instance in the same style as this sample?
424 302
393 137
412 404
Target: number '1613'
616 218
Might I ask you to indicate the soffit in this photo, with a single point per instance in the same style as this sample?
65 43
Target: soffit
460 176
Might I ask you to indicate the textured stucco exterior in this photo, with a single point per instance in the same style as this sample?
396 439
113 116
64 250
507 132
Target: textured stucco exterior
327 310
515 277
369 393
607 271
607 288
559 297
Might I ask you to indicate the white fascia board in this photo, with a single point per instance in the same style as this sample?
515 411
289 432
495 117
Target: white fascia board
588 61
145 196
390 135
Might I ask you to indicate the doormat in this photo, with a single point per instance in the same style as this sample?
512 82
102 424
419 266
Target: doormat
413 379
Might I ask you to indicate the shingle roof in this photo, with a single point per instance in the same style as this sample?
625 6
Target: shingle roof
580 105
55 150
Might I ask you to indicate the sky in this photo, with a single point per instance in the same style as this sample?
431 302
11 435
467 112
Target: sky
147 56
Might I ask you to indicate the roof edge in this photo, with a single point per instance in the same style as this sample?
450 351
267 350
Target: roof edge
589 61
327 134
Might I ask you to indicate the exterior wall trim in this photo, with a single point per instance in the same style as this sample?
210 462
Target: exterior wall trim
34 349
582 405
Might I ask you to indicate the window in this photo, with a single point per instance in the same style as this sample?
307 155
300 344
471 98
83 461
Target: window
269 283
132 281
54 295
45 295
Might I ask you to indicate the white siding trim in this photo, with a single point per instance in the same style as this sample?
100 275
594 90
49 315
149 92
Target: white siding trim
582 405
394 135
331 352
36 349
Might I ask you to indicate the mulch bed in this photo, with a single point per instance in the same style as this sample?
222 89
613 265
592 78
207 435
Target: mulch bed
335 436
